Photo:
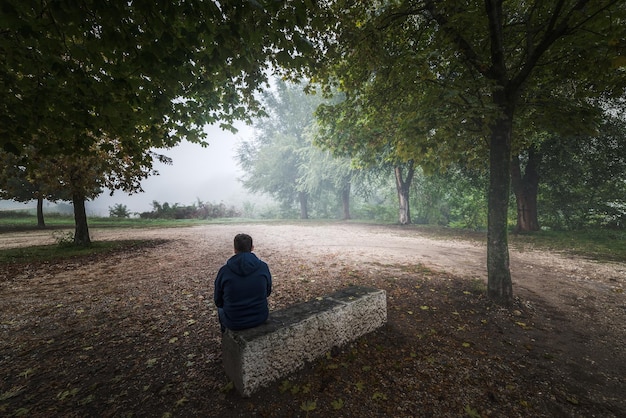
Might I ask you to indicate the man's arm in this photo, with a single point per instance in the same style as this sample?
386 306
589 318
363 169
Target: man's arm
269 282
218 292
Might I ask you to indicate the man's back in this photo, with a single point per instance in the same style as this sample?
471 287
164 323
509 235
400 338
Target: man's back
242 286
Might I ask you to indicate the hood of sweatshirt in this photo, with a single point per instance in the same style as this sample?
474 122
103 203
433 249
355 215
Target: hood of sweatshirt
243 264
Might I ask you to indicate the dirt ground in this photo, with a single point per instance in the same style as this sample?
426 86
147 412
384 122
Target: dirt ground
134 333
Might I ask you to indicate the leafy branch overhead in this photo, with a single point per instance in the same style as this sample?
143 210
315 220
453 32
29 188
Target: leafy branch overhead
124 70
440 82
83 80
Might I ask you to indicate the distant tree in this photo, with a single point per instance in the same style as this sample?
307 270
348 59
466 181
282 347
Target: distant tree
540 114
467 66
583 180
455 197
344 125
525 185
76 75
119 211
403 187
198 210
31 176
106 166
325 173
15 184
275 161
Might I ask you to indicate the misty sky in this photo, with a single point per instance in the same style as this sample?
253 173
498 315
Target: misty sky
209 174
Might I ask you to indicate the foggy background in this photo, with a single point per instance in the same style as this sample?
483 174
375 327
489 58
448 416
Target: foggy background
209 174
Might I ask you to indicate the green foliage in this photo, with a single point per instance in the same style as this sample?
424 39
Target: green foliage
15 183
91 89
464 197
387 212
379 396
198 210
278 212
249 209
471 412
11 393
455 198
273 160
282 162
119 211
228 387
430 81
63 239
19 220
337 404
63 221
584 179
13 214
125 71
308 406
285 386
598 244
378 202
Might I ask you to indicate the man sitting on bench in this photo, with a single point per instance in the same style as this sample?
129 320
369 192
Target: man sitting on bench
242 286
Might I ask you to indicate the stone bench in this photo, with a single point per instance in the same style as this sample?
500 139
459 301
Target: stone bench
255 357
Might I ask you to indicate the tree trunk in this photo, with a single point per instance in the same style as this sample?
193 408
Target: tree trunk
345 201
403 187
526 187
499 285
304 205
40 221
81 231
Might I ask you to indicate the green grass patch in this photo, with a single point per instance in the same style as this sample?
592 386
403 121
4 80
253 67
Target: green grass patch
27 222
55 252
598 244
8 214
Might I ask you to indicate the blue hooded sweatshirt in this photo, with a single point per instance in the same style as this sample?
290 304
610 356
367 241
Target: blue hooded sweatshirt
242 286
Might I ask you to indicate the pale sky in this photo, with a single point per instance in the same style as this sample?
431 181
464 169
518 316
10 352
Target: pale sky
209 174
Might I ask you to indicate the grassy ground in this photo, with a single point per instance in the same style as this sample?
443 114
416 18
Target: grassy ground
598 244
609 245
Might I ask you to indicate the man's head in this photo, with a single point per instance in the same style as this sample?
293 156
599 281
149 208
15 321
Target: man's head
243 243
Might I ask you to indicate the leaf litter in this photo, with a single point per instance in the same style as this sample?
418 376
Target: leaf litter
135 333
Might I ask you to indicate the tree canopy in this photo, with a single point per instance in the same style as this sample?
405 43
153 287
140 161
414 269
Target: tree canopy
122 78
427 82
148 74
275 161
584 178
468 68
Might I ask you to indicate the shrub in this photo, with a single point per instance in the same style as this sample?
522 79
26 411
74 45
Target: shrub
119 211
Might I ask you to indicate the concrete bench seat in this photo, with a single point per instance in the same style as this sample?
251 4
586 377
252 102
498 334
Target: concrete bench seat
298 334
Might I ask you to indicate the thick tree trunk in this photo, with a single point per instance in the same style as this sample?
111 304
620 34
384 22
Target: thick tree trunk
304 205
526 187
404 210
40 221
345 201
403 187
499 285
81 231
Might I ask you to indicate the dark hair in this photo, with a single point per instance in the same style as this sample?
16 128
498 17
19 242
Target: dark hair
243 243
